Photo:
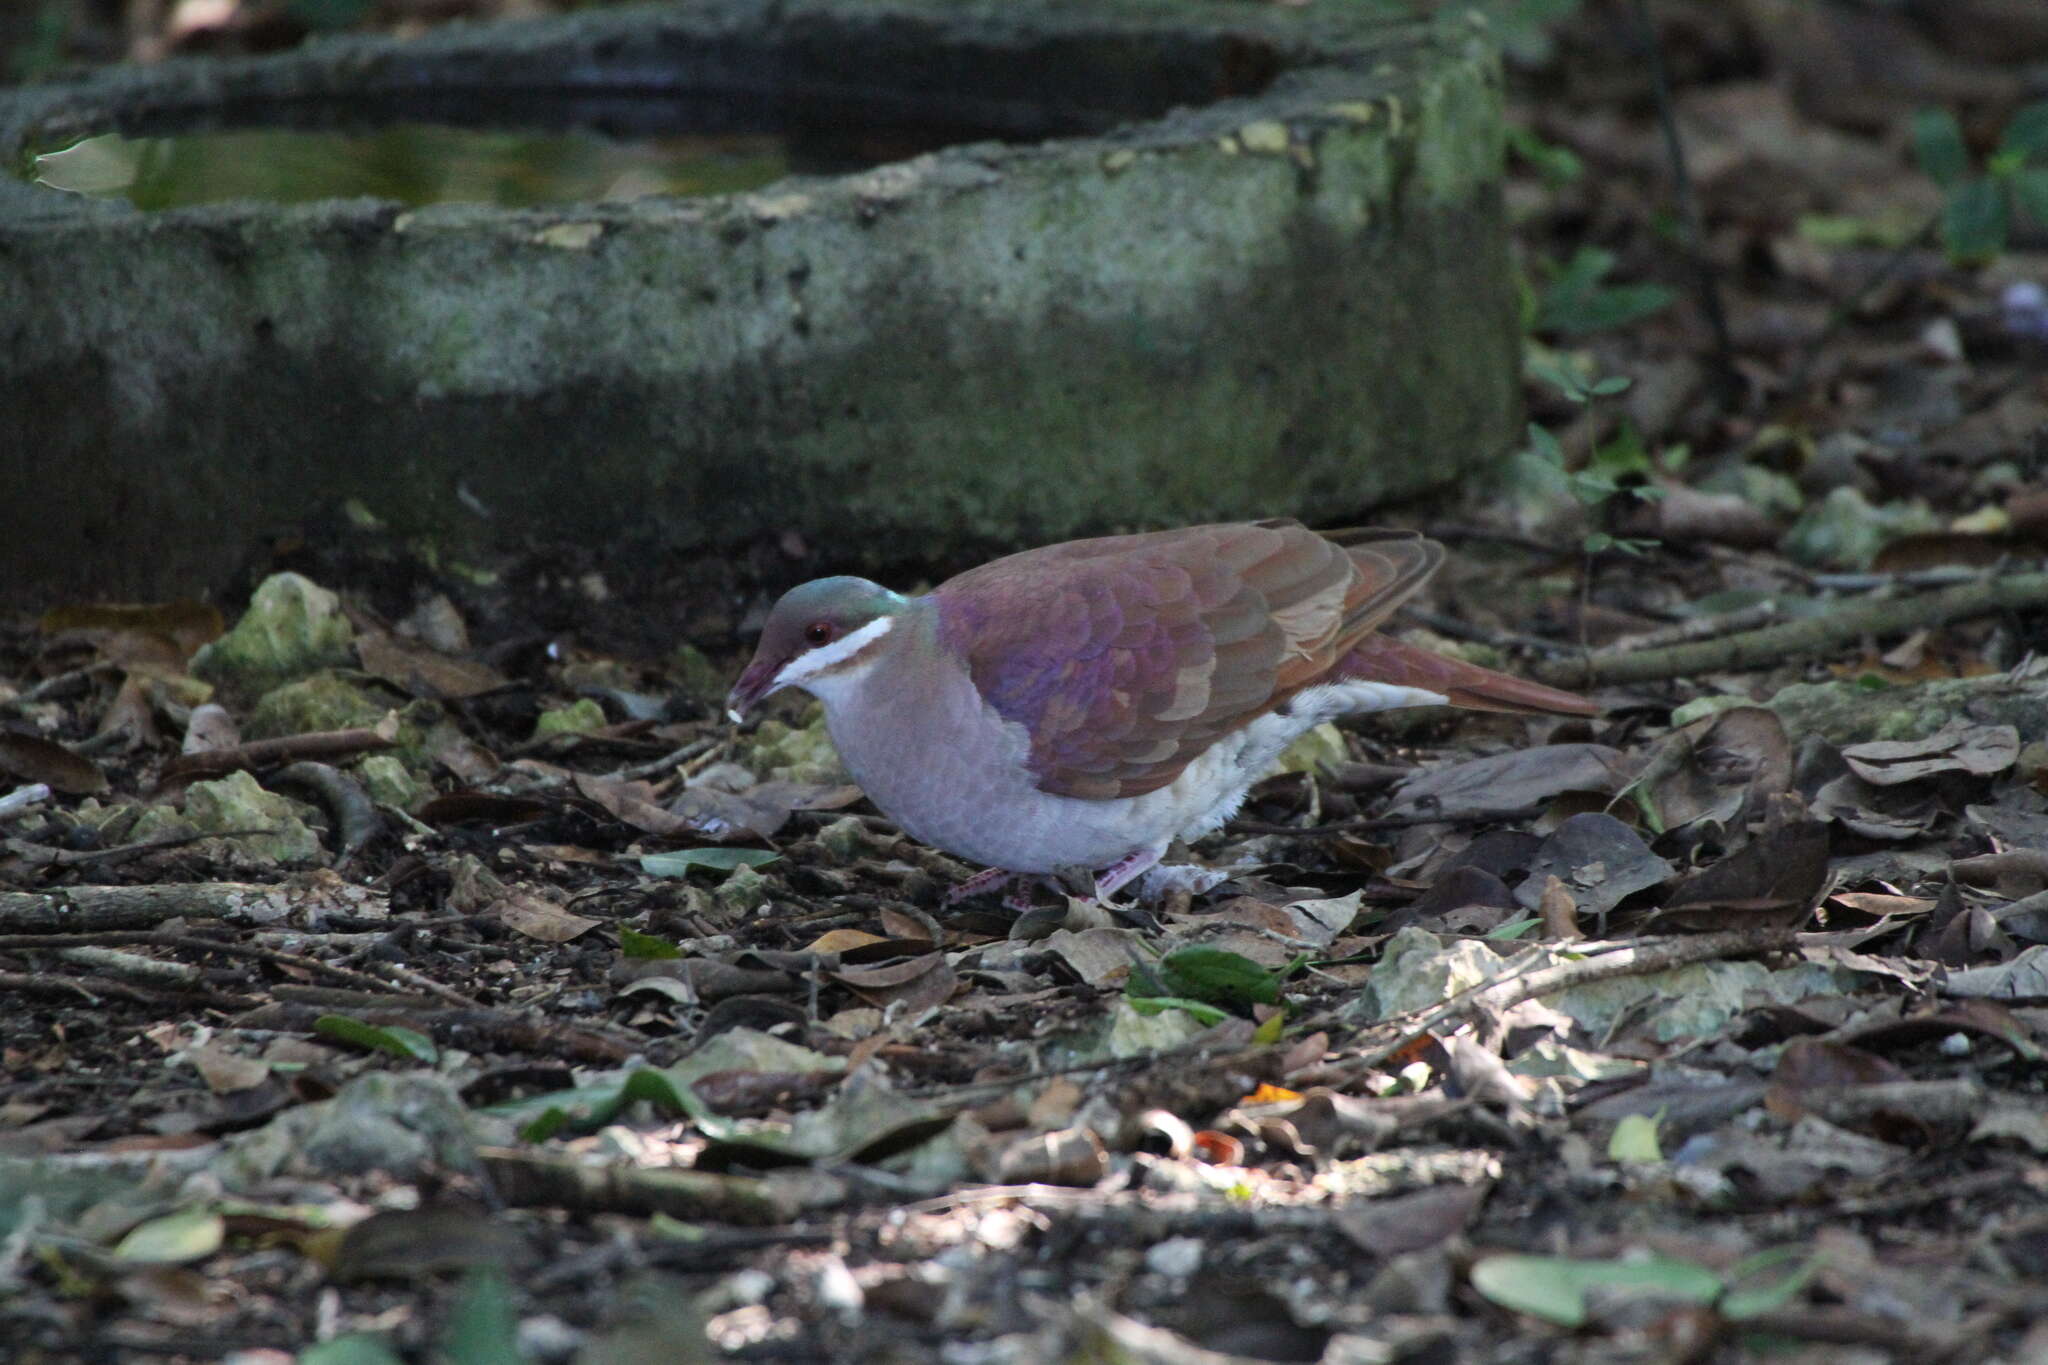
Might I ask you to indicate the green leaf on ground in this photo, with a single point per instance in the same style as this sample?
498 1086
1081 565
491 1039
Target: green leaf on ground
1939 148
392 1038
680 862
1554 1287
633 943
1973 221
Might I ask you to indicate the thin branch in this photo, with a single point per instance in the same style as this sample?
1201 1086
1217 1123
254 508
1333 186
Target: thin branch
1820 635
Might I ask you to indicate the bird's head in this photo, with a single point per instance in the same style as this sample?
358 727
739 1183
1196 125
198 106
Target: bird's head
822 630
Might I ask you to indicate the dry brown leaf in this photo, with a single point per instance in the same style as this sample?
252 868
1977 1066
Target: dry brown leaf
187 624
916 984
226 1072
422 670
840 940
525 913
631 803
35 759
1959 746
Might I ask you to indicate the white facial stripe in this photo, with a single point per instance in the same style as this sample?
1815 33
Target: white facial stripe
827 657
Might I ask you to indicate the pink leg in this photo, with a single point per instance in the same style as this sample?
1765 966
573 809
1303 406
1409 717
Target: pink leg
1131 865
988 879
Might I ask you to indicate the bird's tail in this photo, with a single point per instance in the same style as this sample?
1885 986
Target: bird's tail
1379 658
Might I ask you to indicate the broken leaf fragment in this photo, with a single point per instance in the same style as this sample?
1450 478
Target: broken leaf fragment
175 1238
393 1039
679 862
1554 1288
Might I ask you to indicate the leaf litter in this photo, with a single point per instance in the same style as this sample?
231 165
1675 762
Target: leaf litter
1717 1021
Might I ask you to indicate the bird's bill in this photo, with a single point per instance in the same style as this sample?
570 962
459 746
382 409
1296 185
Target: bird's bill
756 684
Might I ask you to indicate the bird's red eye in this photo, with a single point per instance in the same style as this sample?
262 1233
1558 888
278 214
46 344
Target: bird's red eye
818 633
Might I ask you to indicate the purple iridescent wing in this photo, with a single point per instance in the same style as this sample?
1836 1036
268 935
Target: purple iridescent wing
1126 656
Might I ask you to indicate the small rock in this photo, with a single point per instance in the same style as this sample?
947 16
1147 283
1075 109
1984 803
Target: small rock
389 781
293 626
578 718
790 755
400 1126
849 838
237 804
325 701
1178 1257
742 892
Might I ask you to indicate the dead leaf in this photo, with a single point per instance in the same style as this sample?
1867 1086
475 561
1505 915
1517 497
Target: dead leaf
757 1092
1055 1104
422 670
1075 1157
407 1244
2014 874
187 623
2023 978
1777 875
131 714
471 762
1959 746
226 1072
1409 1222
1879 905
1099 956
1558 910
725 817
1876 812
2015 1121
1509 781
1600 860
900 925
525 913
916 984
1711 768
840 940
631 803
35 759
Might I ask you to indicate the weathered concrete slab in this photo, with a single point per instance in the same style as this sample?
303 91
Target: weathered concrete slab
1290 294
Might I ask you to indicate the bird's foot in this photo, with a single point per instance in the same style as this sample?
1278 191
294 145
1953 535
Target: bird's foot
1132 864
988 879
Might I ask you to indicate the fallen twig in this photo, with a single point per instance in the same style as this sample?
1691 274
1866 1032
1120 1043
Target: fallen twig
526 1180
478 1029
1361 826
92 990
23 799
262 753
356 818
200 943
1751 617
1803 639
90 909
1597 962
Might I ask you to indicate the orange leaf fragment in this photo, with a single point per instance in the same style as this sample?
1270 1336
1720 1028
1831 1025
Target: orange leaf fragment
1219 1149
1268 1093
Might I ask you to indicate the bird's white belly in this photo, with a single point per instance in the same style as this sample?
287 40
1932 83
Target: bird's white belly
953 774
971 795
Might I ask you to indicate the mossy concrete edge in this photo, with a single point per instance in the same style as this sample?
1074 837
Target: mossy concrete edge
1292 304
